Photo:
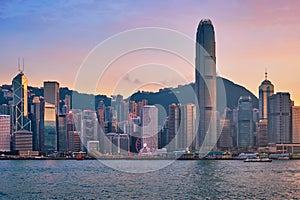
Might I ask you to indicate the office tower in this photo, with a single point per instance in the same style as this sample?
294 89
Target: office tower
22 141
225 139
140 106
187 127
36 122
245 122
74 142
262 133
20 103
89 129
51 94
4 133
120 144
205 86
62 140
150 127
174 123
279 118
296 124
51 108
266 89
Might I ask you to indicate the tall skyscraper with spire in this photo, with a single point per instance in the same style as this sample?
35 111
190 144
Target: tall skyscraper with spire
205 86
20 103
266 89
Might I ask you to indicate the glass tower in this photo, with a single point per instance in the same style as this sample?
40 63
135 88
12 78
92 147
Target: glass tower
266 89
51 107
205 86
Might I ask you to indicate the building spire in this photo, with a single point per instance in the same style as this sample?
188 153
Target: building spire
19 70
266 74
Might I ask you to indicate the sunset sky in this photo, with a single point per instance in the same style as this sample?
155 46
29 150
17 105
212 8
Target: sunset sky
56 37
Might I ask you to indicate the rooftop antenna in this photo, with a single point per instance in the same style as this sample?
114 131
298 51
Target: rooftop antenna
266 74
19 70
23 65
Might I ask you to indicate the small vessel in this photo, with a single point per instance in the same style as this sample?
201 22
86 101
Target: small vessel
79 157
258 160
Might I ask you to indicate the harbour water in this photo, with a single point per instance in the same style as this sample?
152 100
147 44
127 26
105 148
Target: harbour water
197 179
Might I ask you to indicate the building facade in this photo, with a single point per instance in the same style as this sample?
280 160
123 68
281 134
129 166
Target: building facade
245 122
296 124
5 133
150 127
279 118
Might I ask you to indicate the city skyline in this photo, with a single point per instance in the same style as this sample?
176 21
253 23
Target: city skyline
55 43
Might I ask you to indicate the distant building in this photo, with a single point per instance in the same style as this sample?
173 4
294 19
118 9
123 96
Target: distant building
92 146
296 124
245 122
22 140
225 139
262 133
5 133
89 130
266 89
62 134
174 123
36 124
51 111
74 142
279 118
150 127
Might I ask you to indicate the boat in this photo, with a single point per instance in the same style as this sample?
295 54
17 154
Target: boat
79 157
258 160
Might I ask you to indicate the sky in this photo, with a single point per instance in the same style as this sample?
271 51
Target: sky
58 38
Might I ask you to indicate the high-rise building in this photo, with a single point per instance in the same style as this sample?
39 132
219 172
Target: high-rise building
296 124
187 126
245 122
51 94
279 118
36 122
150 127
51 110
262 133
62 134
89 129
20 103
5 133
225 139
174 123
205 86
266 89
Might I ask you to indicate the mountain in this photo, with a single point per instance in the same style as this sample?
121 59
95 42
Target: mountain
167 96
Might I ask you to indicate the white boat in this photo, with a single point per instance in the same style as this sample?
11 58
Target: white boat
258 160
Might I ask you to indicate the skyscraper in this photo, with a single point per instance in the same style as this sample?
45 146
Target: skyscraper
279 118
245 122
296 124
266 89
20 103
205 86
36 122
150 126
51 108
4 133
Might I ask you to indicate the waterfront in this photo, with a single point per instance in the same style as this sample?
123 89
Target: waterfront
198 179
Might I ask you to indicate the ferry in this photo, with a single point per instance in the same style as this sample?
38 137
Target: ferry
258 160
